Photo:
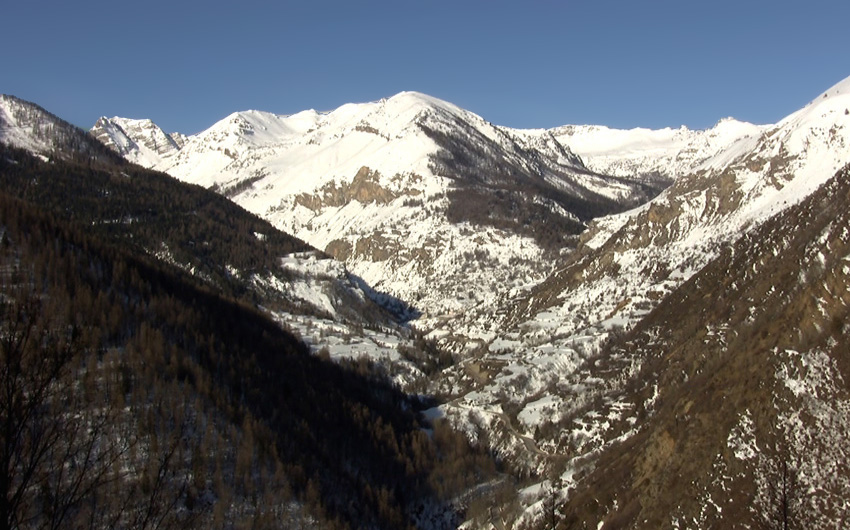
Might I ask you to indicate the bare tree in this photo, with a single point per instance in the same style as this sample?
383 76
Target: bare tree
551 505
783 510
55 451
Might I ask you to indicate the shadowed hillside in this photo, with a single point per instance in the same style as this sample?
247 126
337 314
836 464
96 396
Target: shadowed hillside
743 384
208 413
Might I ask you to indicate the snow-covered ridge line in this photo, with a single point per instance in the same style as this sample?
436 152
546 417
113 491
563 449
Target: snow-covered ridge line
374 183
27 126
638 151
667 152
140 141
629 262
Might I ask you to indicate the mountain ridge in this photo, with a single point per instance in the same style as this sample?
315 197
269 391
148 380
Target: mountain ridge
745 378
195 230
589 362
28 126
544 359
145 143
433 172
639 151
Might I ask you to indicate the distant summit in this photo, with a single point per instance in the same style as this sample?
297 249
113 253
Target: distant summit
139 141
401 189
665 152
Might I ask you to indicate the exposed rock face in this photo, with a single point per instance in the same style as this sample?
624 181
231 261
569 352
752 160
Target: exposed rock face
364 188
139 141
340 249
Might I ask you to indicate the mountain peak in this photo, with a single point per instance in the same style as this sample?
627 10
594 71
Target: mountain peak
421 98
140 141
829 106
838 89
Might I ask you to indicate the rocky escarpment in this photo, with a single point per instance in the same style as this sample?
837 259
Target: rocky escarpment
364 188
140 141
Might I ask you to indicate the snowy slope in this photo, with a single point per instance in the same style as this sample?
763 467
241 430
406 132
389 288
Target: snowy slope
305 151
627 264
309 293
375 185
16 127
666 152
27 126
139 141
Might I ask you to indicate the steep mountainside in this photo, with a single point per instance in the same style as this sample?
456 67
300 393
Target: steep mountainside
191 409
408 191
131 299
28 126
210 238
657 246
538 376
740 385
139 141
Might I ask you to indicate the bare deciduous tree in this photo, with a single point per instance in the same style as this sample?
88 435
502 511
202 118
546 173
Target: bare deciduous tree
783 510
55 449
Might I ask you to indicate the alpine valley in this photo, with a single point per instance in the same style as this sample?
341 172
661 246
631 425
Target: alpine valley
417 318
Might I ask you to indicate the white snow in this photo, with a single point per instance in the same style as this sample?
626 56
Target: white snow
16 130
139 141
472 284
635 152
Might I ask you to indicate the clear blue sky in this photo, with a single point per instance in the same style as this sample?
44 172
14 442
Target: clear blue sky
630 63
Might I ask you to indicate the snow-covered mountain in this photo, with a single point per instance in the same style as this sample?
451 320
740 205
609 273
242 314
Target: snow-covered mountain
306 291
409 191
545 374
626 260
139 141
27 126
665 152
695 340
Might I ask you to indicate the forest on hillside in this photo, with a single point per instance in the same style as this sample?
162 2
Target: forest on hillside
136 395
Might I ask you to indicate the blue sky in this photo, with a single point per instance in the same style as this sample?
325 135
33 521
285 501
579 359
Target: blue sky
187 64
